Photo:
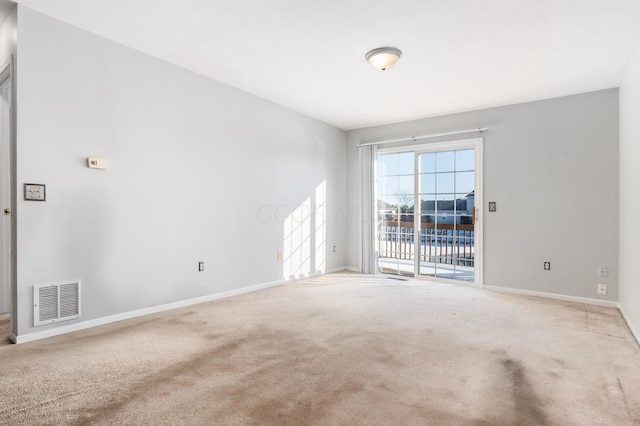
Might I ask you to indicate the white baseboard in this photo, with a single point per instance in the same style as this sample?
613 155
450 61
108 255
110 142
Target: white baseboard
585 300
160 308
334 270
140 312
629 324
216 296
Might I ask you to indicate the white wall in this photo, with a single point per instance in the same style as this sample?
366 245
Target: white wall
551 166
198 171
629 194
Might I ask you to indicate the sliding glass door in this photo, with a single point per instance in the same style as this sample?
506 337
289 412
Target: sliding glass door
394 213
426 211
447 214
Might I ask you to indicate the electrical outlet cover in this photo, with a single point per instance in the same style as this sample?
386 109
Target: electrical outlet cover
602 272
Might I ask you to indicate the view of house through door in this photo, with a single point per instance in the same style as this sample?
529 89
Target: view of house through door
5 200
395 195
426 211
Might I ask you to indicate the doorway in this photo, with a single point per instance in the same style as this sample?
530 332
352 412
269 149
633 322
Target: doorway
426 209
7 200
395 197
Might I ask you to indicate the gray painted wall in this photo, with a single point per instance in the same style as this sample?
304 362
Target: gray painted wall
199 171
629 195
552 168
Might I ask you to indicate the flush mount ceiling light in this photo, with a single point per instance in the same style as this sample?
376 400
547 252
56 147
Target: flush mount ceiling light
383 58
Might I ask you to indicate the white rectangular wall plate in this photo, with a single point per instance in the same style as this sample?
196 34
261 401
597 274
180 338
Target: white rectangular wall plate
35 192
602 289
97 163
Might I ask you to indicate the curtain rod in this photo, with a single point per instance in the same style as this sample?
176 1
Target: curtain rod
415 138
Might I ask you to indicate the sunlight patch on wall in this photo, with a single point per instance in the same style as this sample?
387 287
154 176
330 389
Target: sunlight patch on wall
321 228
305 235
297 241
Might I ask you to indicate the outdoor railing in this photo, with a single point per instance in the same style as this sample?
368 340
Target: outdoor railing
449 244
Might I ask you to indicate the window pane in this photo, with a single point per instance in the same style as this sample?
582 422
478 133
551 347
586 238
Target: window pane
445 182
379 188
428 203
428 163
445 219
388 185
389 202
445 161
445 203
427 218
405 185
467 215
465 182
464 203
407 163
405 204
387 164
465 160
428 183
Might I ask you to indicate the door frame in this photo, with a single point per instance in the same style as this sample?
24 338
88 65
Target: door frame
7 77
475 143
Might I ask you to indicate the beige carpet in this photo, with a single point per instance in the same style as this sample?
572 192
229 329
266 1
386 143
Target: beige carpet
336 350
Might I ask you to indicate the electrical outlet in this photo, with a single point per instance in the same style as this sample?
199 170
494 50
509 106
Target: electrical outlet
334 249
602 272
200 266
602 289
547 266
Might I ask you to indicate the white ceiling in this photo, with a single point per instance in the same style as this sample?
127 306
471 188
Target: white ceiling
308 55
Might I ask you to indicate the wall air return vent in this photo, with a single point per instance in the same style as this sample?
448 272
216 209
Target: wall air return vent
56 302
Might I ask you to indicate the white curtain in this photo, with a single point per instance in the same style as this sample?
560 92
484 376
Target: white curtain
367 156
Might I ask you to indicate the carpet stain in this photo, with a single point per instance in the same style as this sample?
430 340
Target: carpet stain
624 397
49 402
562 363
387 359
300 410
273 411
554 375
116 331
213 336
299 385
528 405
162 383
267 358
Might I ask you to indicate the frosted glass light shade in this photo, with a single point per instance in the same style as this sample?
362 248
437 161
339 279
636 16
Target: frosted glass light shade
383 58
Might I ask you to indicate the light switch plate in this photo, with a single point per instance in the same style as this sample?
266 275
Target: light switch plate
97 163
34 192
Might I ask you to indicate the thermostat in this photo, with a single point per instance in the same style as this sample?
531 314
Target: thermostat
97 163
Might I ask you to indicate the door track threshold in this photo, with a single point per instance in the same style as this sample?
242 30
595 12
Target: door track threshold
399 278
